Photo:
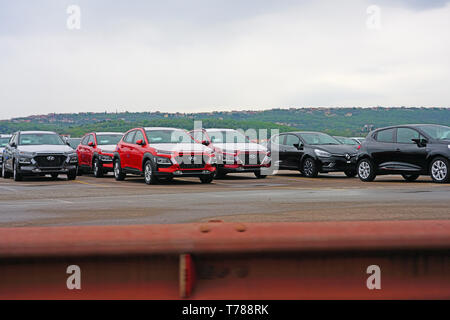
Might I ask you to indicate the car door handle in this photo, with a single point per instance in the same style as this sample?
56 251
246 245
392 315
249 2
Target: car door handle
397 150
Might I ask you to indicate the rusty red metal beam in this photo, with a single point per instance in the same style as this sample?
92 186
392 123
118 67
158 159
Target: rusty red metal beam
325 260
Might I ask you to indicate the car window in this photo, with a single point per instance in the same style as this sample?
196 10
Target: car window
405 135
385 135
199 136
4 142
108 139
277 139
291 140
34 139
129 137
85 140
138 136
91 139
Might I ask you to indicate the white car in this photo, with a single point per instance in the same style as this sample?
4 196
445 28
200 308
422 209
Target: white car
234 151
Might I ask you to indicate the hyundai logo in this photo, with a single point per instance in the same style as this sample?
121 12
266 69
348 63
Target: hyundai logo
50 158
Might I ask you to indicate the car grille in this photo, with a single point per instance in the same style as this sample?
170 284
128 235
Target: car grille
193 161
50 161
252 158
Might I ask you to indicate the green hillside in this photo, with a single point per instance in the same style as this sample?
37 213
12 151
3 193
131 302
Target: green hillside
342 121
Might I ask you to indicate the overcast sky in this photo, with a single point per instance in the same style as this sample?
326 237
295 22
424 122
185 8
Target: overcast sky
205 55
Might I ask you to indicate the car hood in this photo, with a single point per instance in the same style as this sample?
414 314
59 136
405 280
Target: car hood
337 149
240 147
44 148
108 148
180 147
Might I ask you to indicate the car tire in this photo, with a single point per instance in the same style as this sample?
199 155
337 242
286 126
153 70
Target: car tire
309 168
149 173
259 175
207 179
118 172
439 170
410 177
366 170
351 173
72 175
97 168
6 174
16 174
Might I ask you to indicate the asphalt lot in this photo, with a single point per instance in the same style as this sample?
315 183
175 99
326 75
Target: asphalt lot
239 197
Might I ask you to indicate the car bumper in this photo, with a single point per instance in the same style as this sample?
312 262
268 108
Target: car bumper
236 168
34 170
336 164
177 171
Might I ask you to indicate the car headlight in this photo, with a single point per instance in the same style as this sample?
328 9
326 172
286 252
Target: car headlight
321 153
163 160
163 152
25 160
26 154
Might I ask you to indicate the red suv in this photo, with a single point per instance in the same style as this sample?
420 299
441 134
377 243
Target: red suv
163 153
96 152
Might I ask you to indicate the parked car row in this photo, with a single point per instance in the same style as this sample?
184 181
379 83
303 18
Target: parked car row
164 153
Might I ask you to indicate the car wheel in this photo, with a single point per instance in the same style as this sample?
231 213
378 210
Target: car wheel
410 177
16 174
439 170
149 173
259 175
5 173
207 179
72 175
310 168
118 172
97 168
366 170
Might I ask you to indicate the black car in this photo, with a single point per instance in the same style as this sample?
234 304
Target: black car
38 153
312 153
409 150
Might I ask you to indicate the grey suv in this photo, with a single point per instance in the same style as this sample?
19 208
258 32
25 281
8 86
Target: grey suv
38 153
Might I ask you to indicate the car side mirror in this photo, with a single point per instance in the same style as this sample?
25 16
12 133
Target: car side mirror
205 142
420 142
140 142
68 143
13 145
299 146
91 144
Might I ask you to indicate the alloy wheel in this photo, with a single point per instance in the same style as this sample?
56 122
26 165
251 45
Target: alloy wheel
364 170
439 170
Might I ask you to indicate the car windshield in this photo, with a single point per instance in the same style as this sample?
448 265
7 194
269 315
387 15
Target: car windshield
108 139
29 139
3 142
168 136
318 138
227 136
345 140
437 132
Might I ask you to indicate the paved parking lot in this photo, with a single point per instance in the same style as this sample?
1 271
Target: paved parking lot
240 197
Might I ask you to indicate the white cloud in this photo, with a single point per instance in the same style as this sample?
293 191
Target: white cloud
317 53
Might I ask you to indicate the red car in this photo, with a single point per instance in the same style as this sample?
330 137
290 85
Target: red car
163 153
96 152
